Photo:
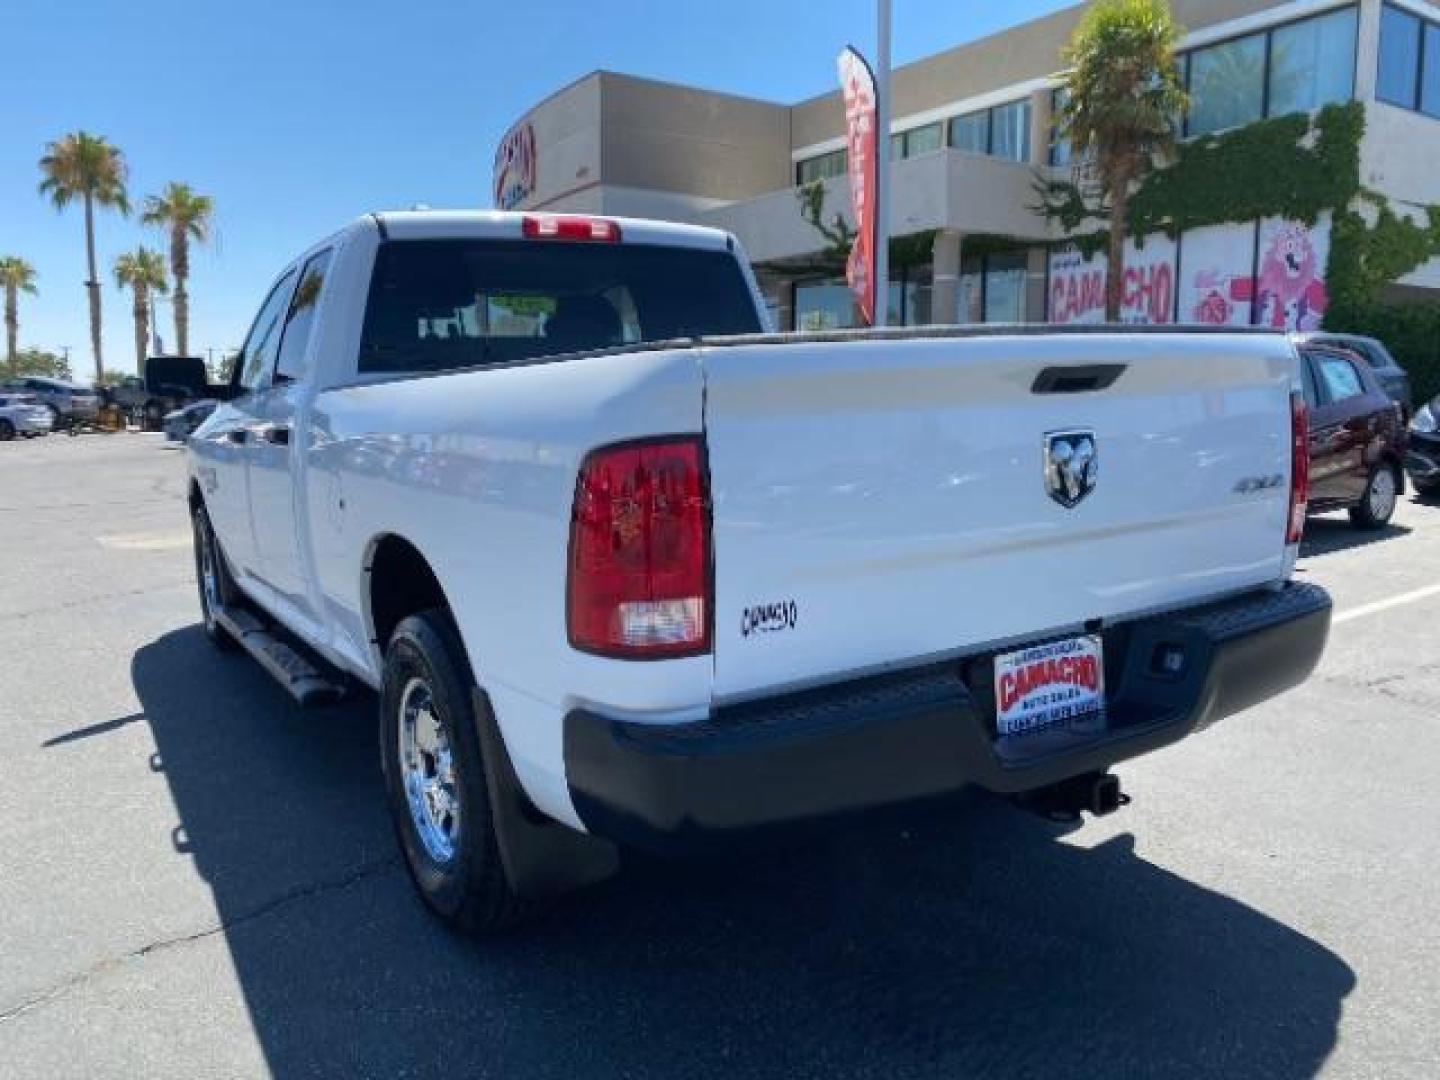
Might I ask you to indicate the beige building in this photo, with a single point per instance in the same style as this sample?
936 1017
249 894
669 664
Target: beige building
971 127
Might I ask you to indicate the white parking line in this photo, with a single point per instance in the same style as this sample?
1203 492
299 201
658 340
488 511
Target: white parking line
154 541
1386 605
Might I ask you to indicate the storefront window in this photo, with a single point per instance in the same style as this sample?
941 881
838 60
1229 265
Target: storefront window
1227 85
825 305
1005 287
830 305
1312 63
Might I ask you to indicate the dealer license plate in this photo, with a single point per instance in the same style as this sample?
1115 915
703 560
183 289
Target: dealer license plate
1049 685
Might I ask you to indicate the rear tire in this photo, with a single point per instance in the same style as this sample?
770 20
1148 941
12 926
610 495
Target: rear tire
212 576
7 431
435 780
1377 504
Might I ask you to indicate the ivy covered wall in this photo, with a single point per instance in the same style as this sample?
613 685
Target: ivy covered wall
1298 167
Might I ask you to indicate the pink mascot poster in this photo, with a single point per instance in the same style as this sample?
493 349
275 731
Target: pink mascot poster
1290 274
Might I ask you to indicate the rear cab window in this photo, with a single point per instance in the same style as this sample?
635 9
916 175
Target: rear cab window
436 305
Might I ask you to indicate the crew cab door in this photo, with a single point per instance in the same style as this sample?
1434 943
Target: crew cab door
1339 428
275 450
223 454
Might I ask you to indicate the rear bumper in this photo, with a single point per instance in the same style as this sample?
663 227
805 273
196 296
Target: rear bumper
879 741
33 423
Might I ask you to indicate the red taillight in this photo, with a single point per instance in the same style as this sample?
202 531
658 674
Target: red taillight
639 583
563 227
1299 469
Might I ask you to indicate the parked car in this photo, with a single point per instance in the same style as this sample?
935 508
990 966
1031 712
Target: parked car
69 403
1422 460
619 582
180 424
147 400
1357 436
1390 375
22 415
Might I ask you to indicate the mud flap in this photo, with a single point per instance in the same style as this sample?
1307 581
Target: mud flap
542 858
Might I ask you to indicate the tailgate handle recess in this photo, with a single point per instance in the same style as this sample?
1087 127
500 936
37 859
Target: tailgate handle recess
1076 379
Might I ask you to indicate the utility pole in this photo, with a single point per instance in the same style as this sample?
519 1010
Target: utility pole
882 162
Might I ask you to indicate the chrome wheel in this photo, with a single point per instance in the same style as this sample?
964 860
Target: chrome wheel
209 580
1382 494
427 773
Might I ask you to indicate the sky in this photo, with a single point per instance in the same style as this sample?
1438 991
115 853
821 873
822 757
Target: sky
299 116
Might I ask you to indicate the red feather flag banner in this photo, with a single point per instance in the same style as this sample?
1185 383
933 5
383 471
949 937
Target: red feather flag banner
857 83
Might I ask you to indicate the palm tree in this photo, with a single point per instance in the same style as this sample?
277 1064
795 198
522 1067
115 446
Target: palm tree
16 276
142 271
186 215
86 167
1122 98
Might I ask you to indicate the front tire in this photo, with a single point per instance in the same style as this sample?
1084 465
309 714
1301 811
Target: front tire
435 778
212 576
1377 504
7 431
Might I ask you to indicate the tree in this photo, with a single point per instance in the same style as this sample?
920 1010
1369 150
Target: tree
142 271
184 215
16 276
35 362
1122 98
86 167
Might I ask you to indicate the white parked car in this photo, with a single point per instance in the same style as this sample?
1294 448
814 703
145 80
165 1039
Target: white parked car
623 568
22 415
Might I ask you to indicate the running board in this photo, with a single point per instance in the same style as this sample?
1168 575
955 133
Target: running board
302 679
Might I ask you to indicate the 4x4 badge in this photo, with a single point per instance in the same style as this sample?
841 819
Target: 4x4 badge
1071 465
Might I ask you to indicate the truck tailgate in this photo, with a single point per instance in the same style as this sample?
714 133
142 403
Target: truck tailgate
884 501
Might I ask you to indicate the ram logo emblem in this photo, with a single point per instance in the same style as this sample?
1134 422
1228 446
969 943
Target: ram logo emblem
1072 464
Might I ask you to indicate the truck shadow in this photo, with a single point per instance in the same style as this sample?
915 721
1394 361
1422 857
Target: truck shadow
1333 533
970 943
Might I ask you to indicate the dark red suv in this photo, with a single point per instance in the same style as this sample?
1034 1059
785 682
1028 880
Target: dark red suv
1357 436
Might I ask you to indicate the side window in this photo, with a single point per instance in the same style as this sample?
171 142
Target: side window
301 320
257 355
1341 379
1307 377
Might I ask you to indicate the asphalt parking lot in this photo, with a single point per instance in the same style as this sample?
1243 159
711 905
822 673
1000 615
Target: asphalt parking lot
197 879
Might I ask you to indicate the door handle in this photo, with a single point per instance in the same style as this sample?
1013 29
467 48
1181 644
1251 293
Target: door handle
278 434
238 435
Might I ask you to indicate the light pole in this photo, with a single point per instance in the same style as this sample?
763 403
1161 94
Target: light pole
882 162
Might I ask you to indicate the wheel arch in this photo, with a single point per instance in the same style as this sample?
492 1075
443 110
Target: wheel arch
399 580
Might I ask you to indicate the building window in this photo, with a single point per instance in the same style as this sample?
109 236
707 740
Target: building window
823 167
993 287
1010 131
830 305
1398 77
971 132
1060 150
1409 71
1312 63
920 140
1227 85
1003 131
1296 67
1005 287
1430 72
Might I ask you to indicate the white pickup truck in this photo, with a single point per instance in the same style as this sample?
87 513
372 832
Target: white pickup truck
626 569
